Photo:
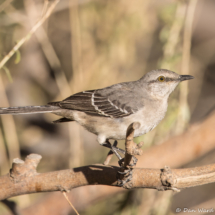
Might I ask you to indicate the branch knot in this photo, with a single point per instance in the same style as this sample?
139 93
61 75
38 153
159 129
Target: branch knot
168 180
21 169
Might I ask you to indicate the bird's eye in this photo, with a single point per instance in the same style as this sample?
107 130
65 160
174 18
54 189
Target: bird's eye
161 78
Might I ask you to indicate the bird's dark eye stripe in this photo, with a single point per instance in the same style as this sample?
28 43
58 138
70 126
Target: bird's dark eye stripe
170 79
166 80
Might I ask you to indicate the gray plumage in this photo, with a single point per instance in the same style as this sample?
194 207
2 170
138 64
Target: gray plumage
109 111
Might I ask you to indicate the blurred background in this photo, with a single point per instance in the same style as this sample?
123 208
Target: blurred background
90 44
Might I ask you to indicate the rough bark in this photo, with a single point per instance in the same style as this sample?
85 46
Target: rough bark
23 178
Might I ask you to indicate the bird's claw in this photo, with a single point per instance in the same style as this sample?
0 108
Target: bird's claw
127 177
121 162
123 173
134 161
120 183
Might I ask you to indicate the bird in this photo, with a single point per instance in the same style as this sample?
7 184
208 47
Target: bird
108 112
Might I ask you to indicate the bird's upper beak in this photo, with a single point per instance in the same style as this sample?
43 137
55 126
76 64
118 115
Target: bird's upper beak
185 77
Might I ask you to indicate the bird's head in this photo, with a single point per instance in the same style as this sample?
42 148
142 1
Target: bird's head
160 83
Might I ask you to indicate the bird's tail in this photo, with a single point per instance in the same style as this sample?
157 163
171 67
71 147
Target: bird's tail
28 109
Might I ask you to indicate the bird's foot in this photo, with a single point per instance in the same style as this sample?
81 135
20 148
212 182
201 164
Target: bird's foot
110 153
121 162
116 151
124 177
125 174
134 159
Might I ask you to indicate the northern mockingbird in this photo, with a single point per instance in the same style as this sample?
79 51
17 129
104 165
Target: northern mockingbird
109 111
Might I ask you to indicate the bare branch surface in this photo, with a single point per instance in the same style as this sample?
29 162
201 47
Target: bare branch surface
23 179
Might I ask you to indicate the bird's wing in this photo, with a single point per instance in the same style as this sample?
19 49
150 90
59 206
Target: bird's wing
111 102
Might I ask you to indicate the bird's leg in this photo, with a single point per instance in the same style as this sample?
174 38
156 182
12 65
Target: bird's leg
107 144
113 149
110 154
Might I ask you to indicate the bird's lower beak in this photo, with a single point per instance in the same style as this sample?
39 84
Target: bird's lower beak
185 77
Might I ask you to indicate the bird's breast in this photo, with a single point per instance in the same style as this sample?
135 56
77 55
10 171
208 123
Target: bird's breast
150 116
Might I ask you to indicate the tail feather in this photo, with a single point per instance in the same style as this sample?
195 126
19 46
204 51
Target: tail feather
29 109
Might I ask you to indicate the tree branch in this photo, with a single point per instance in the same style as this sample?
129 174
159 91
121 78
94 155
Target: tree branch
23 178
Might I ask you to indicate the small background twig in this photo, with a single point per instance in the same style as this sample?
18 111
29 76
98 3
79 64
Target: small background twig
66 197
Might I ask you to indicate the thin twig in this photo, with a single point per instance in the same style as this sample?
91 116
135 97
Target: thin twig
19 17
24 39
184 114
49 52
131 148
77 80
4 161
9 127
64 193
174 35
45 6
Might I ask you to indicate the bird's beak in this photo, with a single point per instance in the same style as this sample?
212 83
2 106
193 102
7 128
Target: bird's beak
185 77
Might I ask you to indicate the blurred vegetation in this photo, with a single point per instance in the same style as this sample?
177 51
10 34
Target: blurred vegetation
88 45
